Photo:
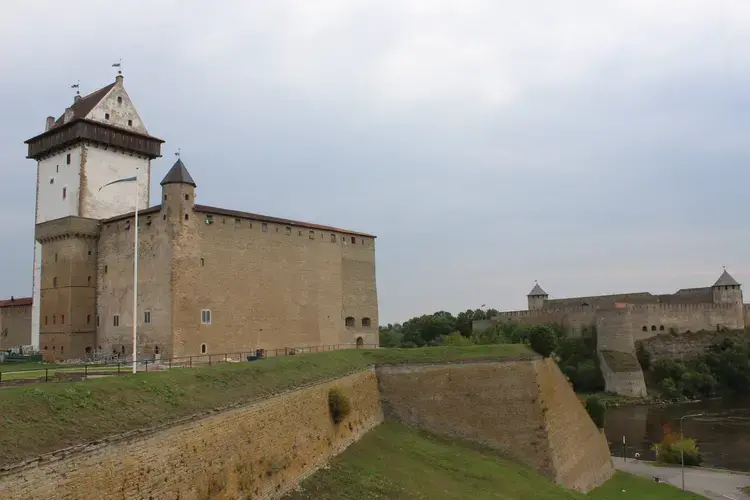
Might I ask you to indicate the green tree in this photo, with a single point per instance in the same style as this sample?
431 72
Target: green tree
597 410
542 340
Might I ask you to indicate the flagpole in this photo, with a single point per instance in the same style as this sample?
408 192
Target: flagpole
135 279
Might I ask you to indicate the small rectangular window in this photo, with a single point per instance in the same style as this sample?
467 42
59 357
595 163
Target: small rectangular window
67 159
65 193
62 319
288 230
354 240
88 319
237 222
312 235
52 180
147 317
206 316
264 227
127 225
105 269
106 116
148 220
209 219
116 320
333 238
130 123
203 262
97 320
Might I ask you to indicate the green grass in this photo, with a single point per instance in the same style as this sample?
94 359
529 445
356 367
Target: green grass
40 418
396 462
746 490
12 367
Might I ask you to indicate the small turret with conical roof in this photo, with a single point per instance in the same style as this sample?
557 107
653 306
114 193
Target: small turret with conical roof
727 290
178 193
537 297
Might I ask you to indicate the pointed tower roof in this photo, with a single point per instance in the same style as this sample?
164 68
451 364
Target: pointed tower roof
178 174
726 280
83 105
537 291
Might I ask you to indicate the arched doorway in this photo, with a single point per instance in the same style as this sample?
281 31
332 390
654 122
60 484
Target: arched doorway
360 342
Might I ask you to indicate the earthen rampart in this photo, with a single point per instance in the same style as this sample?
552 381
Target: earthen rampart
261 450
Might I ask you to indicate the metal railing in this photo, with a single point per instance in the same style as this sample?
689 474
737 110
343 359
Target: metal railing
73 372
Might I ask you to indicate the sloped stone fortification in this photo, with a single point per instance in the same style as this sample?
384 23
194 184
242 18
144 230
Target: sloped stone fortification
526 409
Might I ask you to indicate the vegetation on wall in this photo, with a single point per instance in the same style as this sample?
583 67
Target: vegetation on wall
339 405
597 410
724 368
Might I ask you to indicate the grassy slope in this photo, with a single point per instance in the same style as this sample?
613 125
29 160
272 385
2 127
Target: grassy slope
45 417
395 462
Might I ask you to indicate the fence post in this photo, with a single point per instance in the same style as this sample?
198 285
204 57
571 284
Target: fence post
170 362
225 357
85 370
1 378
146 362
209 360
46 374
118 367
190 361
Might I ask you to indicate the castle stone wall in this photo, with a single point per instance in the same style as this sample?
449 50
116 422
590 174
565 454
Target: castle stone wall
616 351
15 325
269 285
259 451
115 285
525 409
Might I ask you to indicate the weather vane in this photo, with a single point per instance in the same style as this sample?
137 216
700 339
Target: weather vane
118 65
77 86
177 153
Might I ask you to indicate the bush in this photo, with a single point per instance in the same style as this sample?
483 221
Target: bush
597 410
668 451
339 405
644 357
542 340
455 339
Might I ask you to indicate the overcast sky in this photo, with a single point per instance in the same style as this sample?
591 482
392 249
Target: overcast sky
597 147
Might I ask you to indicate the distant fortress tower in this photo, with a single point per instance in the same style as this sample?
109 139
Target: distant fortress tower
98 139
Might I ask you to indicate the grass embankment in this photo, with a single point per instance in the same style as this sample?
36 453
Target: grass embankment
46 417
394 462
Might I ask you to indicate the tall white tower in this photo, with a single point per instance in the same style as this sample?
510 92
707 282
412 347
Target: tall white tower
98 139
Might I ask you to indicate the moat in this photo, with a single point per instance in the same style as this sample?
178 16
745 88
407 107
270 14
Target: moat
723 432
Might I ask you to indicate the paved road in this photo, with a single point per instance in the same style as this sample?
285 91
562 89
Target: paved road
709 483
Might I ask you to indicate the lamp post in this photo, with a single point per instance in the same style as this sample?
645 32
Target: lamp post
135 264
682 446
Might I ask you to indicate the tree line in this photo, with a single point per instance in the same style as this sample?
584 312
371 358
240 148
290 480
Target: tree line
576 356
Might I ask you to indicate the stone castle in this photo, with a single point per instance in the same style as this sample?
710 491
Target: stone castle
210 280
622 320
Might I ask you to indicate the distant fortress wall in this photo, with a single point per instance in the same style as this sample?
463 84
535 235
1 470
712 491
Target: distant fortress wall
648 319
621 320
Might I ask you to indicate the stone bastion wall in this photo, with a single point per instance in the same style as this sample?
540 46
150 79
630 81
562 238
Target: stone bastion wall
526 409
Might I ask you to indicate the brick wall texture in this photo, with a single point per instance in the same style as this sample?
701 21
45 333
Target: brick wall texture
525 409
257 451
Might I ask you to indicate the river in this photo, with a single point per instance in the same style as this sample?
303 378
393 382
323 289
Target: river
722 432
